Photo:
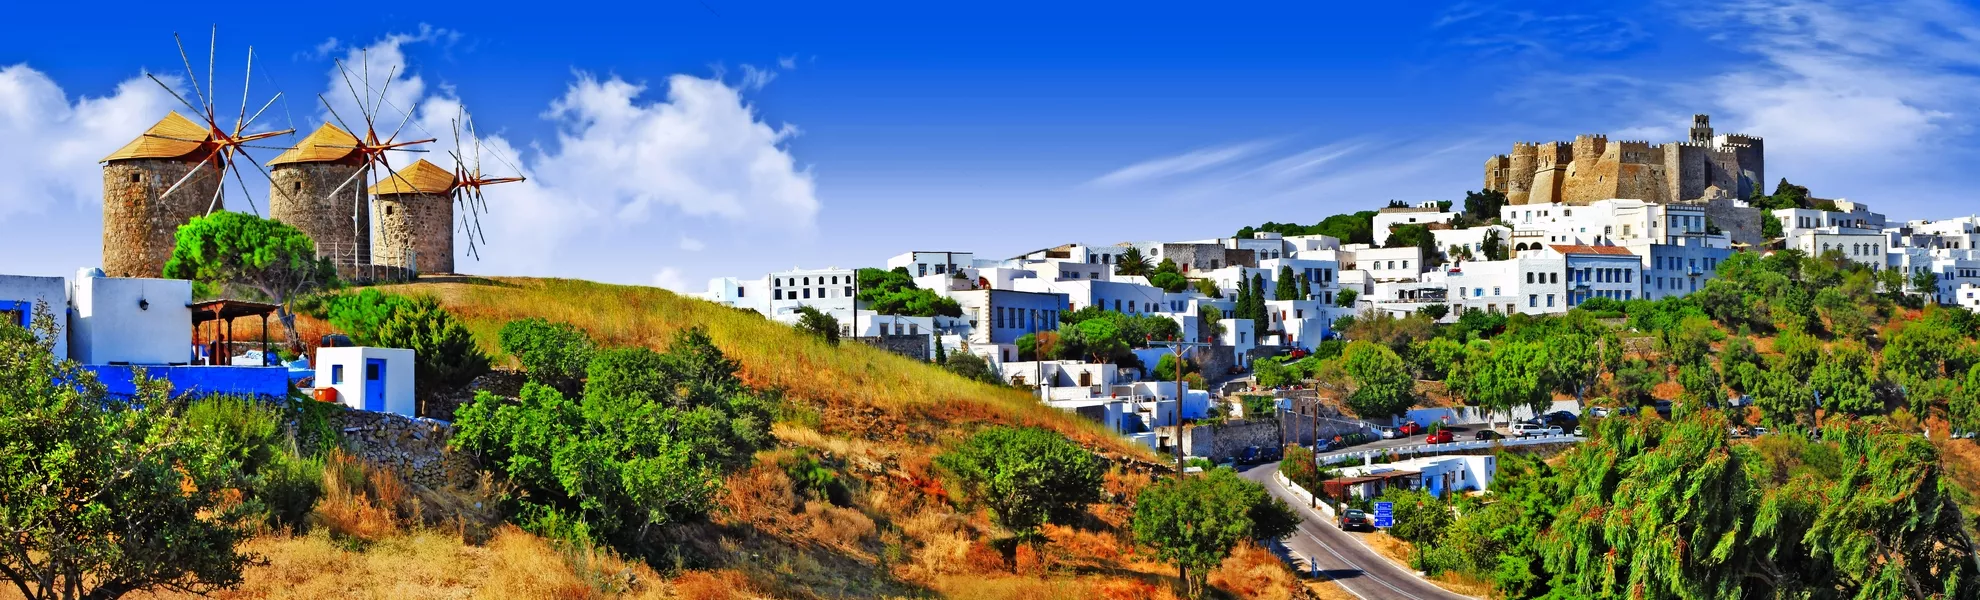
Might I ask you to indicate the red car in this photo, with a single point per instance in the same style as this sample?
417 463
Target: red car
1442 436
1410 428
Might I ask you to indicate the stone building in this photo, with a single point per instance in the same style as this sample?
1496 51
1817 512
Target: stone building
1593 168
302 180
139 220
416 219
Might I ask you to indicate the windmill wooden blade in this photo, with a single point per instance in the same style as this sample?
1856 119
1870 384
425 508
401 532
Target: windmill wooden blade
348 180
264 108
362 109
189 74
236 169
174 93
217 186
188 176
241 121
212 45
333 114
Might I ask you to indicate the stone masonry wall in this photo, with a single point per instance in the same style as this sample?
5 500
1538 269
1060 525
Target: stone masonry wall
416 449
1228 441
911 346
138 226
419 224
300 196
1742 224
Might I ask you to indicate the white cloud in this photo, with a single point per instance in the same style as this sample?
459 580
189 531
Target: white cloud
789 63
1168 166
671 278
621 161
53 142
692 245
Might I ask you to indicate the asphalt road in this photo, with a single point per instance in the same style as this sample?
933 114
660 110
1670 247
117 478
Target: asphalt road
1349 563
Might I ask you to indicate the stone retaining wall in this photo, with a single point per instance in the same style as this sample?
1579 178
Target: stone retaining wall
414 448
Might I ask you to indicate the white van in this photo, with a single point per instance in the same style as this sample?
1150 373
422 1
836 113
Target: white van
1530 429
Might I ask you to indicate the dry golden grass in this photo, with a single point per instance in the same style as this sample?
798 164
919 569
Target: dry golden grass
1253 572
860 391
1328 590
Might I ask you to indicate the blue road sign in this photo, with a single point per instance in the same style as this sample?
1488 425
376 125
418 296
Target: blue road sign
1385 514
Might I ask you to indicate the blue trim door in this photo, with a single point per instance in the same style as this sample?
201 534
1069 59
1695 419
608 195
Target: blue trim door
374 384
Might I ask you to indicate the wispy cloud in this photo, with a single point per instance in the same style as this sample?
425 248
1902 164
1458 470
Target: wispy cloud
1169 166
1524 31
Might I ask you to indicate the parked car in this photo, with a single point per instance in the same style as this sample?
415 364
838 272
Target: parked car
1562 418
1487 434
1270 454
1410 428
1442 436
1248 456
1390 433
1352 519
1599 411
255 358
1533 429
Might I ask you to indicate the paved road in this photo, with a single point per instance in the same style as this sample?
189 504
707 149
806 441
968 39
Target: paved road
1348 562
1463 433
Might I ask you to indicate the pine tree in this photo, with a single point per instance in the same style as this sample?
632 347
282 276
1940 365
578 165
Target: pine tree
1284 288
1257 306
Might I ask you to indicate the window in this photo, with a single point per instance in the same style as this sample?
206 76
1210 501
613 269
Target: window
388 210
1478 292
336 374
807 281
1529 277
1000 316
807 292
1533 300
776 294
740 292
849 291
1550 300
139 178
923 268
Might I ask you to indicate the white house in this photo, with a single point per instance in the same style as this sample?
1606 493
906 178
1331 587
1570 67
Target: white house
1599 272
1423 213
781 293
1967 296
1851 215
1390 264
1532 283
19 294
1862 246
924 262
1439 475
373 379
117 320
1471 241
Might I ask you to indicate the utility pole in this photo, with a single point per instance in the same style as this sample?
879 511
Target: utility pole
1177 348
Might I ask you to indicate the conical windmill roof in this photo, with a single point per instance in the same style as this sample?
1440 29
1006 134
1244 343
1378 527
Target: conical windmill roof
420 178
328 143
156 142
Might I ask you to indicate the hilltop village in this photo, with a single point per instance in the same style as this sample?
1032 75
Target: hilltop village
1556 225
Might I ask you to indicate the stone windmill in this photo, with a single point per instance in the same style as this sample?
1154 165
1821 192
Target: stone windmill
141 211
416 218
468 181
300 194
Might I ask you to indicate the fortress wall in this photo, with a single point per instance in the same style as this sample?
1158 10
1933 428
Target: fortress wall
1684 171
1495 172
1722 170
1519 176
1752 157
1742 224
1550 172
1639 172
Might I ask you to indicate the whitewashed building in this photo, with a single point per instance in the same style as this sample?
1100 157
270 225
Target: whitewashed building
373 379
20 294
1424 213
780 294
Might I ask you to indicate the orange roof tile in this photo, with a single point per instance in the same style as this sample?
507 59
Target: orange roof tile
327 144
169 138
1586 249
420 178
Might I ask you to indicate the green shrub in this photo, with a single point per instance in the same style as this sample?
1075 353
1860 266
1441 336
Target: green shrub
445 355
1027 477
552 353
816 480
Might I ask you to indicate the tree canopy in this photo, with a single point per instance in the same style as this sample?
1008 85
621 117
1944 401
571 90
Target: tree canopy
1195 522
1027 476
272 258
894 292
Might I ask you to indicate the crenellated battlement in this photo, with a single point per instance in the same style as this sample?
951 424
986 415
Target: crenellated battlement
1593 167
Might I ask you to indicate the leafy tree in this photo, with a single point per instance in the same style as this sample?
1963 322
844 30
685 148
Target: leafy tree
1383 385
1844 316
1208 288
1574 362
970 366
1194 522
1257 311
816 322
1271 372
1494 247
1434 311
1783 399
552 353
1299 467
1484 205
1260 407
444 353
101 498
1416 236
1133 262
1771 228
1925 283
1420 518
1738 351
1026 476
645 446
1799 353
1513 375
1212 317
272 258
1843 379
1701 384
1346 298
1434 358
1169 282
1635 379
1286 287
894 292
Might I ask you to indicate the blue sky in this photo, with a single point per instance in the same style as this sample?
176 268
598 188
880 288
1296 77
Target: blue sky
677 141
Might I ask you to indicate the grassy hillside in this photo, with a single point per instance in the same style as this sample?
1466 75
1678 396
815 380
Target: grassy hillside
873 420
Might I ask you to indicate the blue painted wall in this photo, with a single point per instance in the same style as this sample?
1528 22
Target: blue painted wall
197 381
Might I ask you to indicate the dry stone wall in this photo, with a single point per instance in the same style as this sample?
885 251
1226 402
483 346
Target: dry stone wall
414 448
138 225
